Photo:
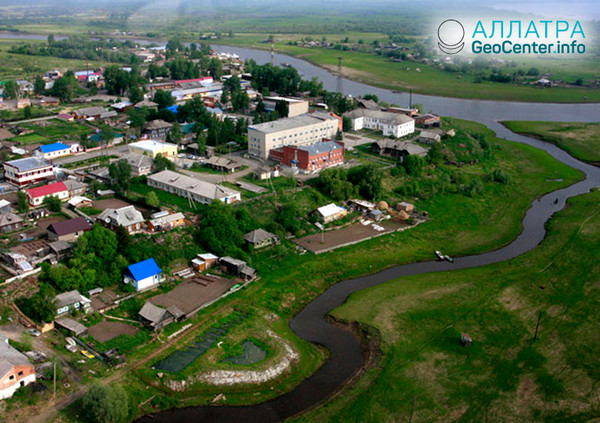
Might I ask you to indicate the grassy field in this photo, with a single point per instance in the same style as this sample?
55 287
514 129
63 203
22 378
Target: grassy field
20 66
427 375
581 140
404 76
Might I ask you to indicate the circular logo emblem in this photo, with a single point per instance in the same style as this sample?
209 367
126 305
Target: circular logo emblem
451 34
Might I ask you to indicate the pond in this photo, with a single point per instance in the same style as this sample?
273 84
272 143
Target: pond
251 353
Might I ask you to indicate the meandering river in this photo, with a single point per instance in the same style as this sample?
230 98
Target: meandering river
311 324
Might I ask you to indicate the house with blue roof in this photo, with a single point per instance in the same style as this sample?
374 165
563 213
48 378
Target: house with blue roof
54 150
143 275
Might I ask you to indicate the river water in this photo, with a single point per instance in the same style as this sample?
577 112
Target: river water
311 324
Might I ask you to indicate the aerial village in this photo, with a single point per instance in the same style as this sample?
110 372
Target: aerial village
116 190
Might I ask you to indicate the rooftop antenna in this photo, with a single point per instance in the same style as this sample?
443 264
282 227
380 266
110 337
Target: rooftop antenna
339 76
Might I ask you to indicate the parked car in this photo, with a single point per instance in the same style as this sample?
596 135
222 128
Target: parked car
34 332
87 354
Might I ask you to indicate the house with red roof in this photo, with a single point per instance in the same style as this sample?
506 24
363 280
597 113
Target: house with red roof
36 195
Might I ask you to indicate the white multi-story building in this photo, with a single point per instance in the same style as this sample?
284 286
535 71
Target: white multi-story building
28 170
298 130
395 124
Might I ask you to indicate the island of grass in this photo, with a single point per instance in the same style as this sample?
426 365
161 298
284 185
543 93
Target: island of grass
426 374
581 140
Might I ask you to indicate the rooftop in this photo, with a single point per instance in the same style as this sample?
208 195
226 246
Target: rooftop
157 124
47 190
291 123
258 236
10 357
144 269
70 226
330 209
321 147
151 145
69 298
395 118
9 219
29 163
125 216
192 185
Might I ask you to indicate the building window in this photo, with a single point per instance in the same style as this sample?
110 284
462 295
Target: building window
21 373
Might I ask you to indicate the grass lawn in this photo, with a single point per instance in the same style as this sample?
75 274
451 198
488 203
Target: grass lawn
505 375
57 129
137 190
382 72
581 140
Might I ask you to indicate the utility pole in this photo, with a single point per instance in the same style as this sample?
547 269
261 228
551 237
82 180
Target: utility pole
272 54
340 88
54 377
410 100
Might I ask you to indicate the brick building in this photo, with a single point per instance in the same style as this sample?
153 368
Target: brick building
310 158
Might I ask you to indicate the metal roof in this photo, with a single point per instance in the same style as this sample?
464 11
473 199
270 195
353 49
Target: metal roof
49 189
57 146
291 123
144 269
29 163
69 298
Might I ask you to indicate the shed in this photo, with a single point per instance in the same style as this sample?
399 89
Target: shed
71 326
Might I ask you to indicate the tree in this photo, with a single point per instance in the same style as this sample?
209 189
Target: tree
413 165
346 123
174 135
27 112
334 183
152 199
117 80
120 174
53 203
39 86
11 89
164 99
105 404
23 206
215 68
137 116
371 97
240 100
162 163
533 72
41 305
282 108
174 45
368 179
135 94
65 88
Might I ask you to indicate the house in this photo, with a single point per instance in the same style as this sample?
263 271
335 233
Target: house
157 317
204 262
428 120
166 223
330 212
310 158
148 104
153 148
61 249
295 106
49 101
237 267
412 112
395 148
25 87
298 130
37 195
143 275
28 170
223 164
427 137
23 102
79 201
65 117
10 222
75 187
72 327
361 103
187 133
122 106
141 164
5 206
68 230
157 129
361 206
96 140
261 238
192 188
16 370
67 302
395 124
94 113
128 217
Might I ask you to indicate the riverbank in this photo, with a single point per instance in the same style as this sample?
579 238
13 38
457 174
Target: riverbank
580 140
422 78
513 371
